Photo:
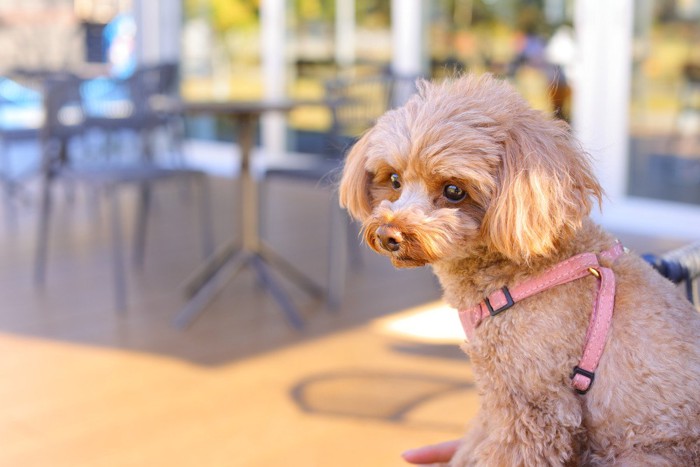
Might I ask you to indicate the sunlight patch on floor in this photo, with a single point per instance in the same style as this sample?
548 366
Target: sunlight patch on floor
435 322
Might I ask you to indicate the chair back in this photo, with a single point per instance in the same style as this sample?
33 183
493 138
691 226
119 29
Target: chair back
151 83
63 106
143 85
357 103
129 102
109 100
21 107
64 117
163 78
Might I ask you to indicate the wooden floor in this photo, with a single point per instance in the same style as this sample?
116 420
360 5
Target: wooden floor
83 385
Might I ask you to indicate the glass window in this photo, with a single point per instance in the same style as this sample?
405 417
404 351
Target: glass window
665 101
530 42
221 56
318 56
221 49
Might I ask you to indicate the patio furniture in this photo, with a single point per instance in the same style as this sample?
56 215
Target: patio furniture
66 117
251 250
680 266
21 117
355 104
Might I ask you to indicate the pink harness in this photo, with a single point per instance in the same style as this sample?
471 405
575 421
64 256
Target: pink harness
573 268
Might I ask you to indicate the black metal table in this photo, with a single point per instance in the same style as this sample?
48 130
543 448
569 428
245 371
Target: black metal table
251 250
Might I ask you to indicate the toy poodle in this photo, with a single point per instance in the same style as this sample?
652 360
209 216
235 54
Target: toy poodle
582 353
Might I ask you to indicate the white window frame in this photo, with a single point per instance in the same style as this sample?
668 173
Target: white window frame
601 122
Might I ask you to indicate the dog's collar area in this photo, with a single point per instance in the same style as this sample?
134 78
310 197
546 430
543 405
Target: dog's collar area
574 268
587 375
509 303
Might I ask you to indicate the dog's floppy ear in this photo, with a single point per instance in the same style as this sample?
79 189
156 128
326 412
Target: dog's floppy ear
545 189
355 182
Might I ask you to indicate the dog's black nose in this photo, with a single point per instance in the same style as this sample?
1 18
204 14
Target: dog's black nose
389 237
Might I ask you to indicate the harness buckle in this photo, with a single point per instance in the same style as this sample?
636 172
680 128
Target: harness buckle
595 272
509 302
588 374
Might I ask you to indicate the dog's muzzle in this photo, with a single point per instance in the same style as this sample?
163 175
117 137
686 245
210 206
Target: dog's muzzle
389 238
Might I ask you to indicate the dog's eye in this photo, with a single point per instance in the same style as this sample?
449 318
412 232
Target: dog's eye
395 181
453 193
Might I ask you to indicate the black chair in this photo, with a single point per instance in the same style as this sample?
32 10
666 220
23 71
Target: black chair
680 266
116 107
354 104
165 79
21 117
136 106
65 120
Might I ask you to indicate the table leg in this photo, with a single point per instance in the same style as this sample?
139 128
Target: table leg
249 188
204 274
207 281
208 289
277 292
290 271
213 285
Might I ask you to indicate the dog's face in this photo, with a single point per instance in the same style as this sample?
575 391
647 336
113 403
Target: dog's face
467 165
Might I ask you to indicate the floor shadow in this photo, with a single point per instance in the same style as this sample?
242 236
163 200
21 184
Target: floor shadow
385 395
423 349
75 305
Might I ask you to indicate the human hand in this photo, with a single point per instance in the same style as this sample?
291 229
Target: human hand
433 454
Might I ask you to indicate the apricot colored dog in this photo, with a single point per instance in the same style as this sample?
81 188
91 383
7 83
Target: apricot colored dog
469 179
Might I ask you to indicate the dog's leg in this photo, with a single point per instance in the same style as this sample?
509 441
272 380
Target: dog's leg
524 433
637 458
664 454
475 435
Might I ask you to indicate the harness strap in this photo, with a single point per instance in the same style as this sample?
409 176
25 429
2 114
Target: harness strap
584 373
569 270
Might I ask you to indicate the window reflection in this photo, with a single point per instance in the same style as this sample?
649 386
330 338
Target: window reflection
531 43
665 101
221 49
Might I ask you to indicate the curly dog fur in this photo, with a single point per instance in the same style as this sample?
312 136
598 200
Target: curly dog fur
469 179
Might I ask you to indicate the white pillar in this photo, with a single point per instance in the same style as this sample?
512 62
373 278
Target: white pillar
409 58
345 33
409 40
274 69
146 14
171 18
158 30
602 88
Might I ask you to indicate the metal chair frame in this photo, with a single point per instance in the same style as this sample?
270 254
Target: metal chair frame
65 120
355 104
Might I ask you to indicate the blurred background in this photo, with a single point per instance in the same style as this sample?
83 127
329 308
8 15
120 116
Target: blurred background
121 179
